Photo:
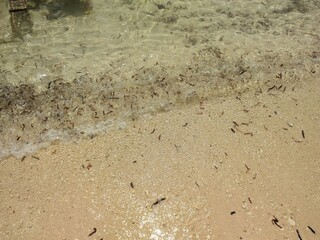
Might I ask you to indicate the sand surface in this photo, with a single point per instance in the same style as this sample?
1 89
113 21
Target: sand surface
231 168
195 119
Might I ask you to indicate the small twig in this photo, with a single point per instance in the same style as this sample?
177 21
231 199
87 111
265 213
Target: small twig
299 236
313 231
275 222
247 168
158 201
93 232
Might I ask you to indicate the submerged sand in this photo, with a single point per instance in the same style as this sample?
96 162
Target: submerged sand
244 167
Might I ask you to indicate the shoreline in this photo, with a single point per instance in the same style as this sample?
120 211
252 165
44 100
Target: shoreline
127 59
234 168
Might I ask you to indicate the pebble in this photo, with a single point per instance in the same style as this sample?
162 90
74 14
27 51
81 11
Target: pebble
291 222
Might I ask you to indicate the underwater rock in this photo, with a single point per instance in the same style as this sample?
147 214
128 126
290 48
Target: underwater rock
62 8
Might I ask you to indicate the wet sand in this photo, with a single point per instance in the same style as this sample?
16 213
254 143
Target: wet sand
75 77
239 167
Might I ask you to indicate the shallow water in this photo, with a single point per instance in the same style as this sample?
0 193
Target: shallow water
80 75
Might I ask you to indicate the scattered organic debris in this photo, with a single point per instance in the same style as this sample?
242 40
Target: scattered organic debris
311 229
299 236
275 221
93 232
159 200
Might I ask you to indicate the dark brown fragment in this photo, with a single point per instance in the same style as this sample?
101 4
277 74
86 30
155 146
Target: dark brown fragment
232 130
158 201
311 229
131 184
302 132
89 166
35 157
176 147
233 212
269 89
297 141
247 168
275 222
299 236
93 232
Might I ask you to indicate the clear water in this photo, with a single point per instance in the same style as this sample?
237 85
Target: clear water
71 73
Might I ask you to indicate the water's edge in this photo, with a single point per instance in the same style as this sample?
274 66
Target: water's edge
75 77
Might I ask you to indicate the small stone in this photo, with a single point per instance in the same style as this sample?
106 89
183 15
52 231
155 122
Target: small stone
291 222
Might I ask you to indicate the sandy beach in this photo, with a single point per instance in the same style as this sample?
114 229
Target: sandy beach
241 167
194 119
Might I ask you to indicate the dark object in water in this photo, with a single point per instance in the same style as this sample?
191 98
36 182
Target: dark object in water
21 23
17 5
20 20
62 8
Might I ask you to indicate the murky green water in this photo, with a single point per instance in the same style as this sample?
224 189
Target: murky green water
77 72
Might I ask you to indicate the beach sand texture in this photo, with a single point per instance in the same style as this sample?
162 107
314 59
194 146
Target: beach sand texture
169 120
